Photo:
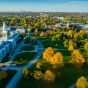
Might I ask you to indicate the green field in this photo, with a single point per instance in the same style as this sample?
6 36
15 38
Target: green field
27 48
24 58
65 76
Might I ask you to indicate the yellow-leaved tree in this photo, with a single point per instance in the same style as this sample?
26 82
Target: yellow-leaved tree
48 53
86 47
57 60
82 83
49 76
77 59
70 33
42 34
71 48
82 33
39 65
37 74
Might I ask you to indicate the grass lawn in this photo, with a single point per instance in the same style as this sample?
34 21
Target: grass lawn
65 77
26 41
27 48
24 58
4 82
49 43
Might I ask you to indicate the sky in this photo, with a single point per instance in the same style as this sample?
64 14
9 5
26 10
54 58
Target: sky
44 5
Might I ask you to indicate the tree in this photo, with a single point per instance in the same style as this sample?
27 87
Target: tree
70 33
46 33
58 36
76 37
53 38
42 34
77 59
39 65
26 73
37 74
86 49
57 60
82 33
49 76
3 74
66 43
82 83
71 48
36 32
48 53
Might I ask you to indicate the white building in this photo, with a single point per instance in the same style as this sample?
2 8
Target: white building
7 42
4 49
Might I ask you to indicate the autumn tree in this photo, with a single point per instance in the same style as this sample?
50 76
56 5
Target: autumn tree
66 43
39 65
58 36
77 59
86 49
71 48
82 33
37 74
26 73
53 38
3 74
70 33
46 33
76 37
70 45
57 60
49 76
42 34
82 83
48 53
36 32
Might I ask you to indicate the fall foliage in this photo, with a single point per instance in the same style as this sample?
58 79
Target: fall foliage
37 74
49 76
82 83
57 60
48 53
77 59
3 74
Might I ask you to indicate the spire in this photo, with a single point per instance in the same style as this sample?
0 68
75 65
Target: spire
5 35
4 27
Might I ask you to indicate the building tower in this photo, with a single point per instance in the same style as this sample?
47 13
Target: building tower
5 32
67 24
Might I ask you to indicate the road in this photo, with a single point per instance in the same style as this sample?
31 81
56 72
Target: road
13 82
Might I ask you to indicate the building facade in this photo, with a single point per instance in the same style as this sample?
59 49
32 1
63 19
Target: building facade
8 41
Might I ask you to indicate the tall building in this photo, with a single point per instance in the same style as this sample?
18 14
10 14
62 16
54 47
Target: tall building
8 41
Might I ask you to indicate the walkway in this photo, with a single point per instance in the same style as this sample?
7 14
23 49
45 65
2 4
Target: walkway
18 75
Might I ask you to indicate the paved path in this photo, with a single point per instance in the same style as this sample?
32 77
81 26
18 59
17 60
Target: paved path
73 86
17 50
13 56
13 82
